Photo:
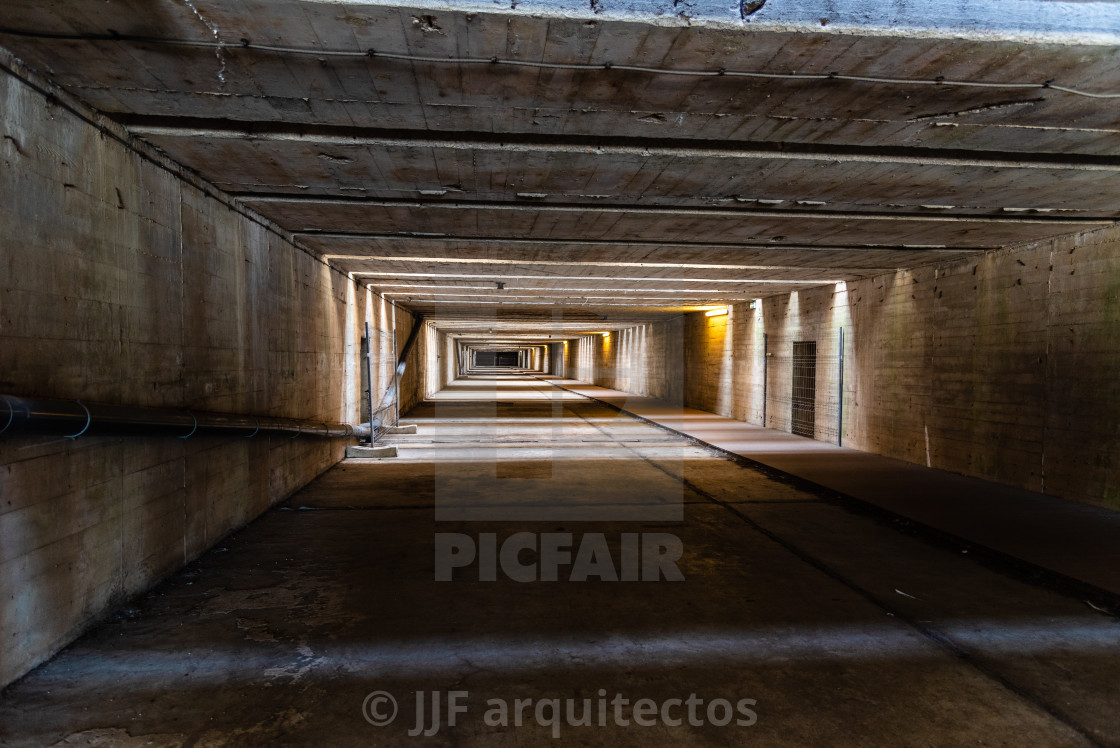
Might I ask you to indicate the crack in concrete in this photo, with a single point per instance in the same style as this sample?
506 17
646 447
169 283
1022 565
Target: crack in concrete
473 670
15 144
938 638
980 108
304 662
219 52
116 736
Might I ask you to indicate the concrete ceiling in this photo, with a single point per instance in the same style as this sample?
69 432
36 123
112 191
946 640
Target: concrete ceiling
802 146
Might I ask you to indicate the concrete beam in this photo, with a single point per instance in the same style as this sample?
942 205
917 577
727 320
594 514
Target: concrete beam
573 242
195 128
1015 215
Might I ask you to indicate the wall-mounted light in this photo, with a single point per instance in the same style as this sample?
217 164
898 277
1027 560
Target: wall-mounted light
606 335
716 312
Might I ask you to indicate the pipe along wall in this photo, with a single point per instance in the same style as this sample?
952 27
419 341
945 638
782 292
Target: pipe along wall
73 419
127 281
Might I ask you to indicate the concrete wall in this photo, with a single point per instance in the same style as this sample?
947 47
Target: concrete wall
448 364
440 365
558 358
1009 363
646 360
381 317
1003 366
120 282
587 363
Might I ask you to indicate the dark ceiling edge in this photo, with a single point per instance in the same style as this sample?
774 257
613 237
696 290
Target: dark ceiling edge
420 237
736 212
189 125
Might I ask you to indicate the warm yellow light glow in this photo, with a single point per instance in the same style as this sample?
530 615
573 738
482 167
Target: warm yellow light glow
715 312
606 335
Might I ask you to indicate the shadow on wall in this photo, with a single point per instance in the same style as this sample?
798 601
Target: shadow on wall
1001 366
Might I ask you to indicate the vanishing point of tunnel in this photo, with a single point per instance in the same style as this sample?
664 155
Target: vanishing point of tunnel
552 372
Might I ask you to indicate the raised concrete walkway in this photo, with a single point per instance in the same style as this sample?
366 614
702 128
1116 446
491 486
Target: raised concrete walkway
1073 540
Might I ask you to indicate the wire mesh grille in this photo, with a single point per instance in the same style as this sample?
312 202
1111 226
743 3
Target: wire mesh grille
803 391
803 387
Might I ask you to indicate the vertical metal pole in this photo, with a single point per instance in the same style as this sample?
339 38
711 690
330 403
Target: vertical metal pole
840 413
396 376
369 378
765 373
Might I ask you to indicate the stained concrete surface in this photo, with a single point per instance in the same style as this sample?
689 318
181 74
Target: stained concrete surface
844 631
1067 538
824 149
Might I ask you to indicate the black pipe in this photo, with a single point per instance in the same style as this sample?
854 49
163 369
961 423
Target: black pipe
21 416
840 391
368 363
376 421
411 341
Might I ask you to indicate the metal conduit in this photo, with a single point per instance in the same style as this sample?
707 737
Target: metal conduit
20 416
376 421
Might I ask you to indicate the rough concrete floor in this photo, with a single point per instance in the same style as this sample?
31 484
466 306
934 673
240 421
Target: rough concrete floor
1068 538
844 630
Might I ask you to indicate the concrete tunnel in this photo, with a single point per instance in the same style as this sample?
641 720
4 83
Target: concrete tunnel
554 372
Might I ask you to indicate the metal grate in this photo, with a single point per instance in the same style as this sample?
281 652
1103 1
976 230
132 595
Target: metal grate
802 386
